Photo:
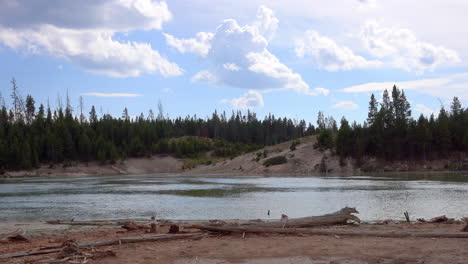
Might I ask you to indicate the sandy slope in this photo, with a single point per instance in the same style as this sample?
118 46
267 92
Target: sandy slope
305 159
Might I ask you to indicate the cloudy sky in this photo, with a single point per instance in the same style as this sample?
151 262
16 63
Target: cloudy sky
289 58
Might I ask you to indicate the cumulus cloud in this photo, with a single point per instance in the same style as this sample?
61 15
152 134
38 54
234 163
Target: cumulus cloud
199 45
328 55
445 87
400 48
267 22
85 36
346 105
239 57
249 100
205 76
112 94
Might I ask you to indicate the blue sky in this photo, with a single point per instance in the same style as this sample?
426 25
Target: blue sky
289 58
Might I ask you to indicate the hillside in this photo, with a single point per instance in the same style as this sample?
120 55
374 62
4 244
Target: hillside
305 159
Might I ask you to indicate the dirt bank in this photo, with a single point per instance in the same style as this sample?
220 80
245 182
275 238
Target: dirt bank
261 249
132 166
305 159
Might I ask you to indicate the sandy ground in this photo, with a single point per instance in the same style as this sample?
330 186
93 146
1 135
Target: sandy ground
259 249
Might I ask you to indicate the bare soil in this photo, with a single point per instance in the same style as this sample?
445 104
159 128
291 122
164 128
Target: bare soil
261 249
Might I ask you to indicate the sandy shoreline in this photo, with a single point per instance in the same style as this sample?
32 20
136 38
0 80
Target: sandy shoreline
255 248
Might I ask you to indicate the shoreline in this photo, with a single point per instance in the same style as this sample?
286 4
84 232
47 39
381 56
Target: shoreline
256 248
304 160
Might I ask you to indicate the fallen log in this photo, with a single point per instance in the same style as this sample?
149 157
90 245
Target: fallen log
132 226
116 241
14 236
437 219
340 217
465 228
310 231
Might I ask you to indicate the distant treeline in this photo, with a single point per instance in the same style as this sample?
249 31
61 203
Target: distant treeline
391 133
31 136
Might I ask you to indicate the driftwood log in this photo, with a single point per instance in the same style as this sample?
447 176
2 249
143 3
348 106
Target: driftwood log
337 218
465 228
14 236
116 241
310 231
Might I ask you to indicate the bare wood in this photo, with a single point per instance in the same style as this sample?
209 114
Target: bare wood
14 236
123 240
29 253
310 231
132 226
154 228
465 228
138 239
407 216
340 217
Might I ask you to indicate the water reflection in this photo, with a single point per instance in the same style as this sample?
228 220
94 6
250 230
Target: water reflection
198 197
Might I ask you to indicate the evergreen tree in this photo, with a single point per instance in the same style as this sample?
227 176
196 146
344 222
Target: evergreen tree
373 111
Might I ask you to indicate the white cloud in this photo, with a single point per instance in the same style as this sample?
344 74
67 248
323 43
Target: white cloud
205 76
330 56
167 90
112 94
249 100
267 22
446 87
346 105
231 67
85 37
199 45
423 109
109 15
239 57
400 48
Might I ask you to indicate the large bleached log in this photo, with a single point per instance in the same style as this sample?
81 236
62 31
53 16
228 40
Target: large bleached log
340 217
310 231
116 241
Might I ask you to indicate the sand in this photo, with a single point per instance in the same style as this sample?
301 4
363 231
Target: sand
260 249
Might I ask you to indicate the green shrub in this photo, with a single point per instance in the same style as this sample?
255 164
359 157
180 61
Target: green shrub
275 161
294 144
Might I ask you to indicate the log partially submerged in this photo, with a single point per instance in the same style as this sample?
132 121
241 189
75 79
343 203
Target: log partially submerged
310 231
116 241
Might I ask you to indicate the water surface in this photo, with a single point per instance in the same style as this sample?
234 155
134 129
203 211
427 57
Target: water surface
248 197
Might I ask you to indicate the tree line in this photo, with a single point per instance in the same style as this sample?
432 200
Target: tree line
32 135
391 133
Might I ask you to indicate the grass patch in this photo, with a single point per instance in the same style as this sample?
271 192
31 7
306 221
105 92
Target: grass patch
275 161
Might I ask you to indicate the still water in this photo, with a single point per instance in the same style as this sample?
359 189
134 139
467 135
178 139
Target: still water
249 197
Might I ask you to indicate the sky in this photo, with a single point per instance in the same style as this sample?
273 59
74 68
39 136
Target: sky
288 58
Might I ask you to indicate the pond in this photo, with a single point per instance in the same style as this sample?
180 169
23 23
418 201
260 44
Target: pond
241 197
